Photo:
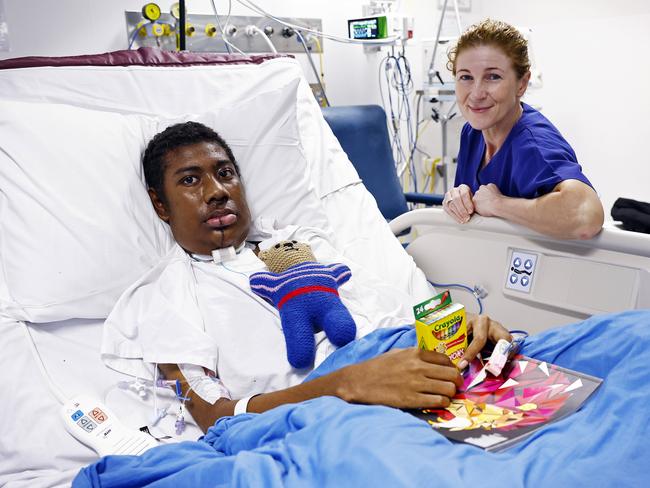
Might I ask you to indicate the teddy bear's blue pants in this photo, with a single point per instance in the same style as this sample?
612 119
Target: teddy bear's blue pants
305 314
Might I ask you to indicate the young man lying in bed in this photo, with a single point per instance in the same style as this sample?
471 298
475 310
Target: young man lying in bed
196 318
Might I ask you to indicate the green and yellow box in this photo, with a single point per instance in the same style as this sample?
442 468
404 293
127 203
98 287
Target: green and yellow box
441 325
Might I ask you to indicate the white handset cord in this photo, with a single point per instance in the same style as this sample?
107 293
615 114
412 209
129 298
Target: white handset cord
54 388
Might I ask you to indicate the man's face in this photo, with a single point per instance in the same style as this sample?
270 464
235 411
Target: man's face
205 204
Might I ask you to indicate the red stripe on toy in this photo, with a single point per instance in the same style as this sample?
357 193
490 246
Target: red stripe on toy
302 291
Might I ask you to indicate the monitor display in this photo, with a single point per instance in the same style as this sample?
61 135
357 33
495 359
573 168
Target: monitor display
368 28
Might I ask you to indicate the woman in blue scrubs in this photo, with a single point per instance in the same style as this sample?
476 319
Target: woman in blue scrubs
513 163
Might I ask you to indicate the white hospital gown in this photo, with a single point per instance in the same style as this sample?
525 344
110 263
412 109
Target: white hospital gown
198 312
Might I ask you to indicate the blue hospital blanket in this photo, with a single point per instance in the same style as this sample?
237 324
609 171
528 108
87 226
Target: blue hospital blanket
327 442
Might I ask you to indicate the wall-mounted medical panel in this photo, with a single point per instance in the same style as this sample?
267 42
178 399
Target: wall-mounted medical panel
203 33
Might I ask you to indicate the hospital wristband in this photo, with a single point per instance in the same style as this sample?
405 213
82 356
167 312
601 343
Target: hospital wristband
242 405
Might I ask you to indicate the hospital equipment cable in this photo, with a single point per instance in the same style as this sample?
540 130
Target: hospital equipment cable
435 44
403 88
313 66
255 8
141 386
393 119
216 17
144 26
180 424
432 72
228 44
414 148
252 30
390 121
397 74
62 398
420 125
430 172
400 113
134 35
54 388
477 291
320 57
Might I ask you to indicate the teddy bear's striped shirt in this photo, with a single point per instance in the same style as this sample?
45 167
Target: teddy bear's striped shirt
299 279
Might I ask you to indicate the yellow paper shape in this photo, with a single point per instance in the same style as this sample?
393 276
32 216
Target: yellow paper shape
527 406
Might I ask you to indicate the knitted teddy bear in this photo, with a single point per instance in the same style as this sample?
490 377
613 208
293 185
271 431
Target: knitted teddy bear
305 293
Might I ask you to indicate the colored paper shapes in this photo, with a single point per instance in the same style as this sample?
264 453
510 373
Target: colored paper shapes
457 423
573 386
500 410
544 368
479 378
527 406
468 415
508 383
486 440
529 393
522 365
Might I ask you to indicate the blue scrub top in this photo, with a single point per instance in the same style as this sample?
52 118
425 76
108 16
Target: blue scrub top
533 159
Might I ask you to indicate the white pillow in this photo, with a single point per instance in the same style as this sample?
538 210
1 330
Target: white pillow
76 224
263 134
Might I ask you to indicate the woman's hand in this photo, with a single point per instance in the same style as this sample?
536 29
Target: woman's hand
402 378
483 328
486 199
458 203
572 210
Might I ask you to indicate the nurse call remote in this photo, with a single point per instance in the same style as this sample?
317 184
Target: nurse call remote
96 426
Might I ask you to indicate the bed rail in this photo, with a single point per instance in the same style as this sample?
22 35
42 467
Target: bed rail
567 280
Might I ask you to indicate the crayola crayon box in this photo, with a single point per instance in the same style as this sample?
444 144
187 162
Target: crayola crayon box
441 325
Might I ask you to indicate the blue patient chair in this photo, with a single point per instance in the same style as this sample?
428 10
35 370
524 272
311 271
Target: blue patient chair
363 135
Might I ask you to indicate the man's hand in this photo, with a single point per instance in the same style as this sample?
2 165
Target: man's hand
458 203
483 328
486 199
402 378
171 372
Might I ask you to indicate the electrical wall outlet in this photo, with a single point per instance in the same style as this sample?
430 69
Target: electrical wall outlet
521 270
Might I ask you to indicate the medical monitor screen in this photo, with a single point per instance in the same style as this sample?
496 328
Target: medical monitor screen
369 28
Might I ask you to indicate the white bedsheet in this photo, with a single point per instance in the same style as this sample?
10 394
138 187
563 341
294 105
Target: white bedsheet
35 449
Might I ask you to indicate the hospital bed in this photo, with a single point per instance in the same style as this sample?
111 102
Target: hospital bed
77 228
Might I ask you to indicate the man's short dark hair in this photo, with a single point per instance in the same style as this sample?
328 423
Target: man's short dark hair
175 136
